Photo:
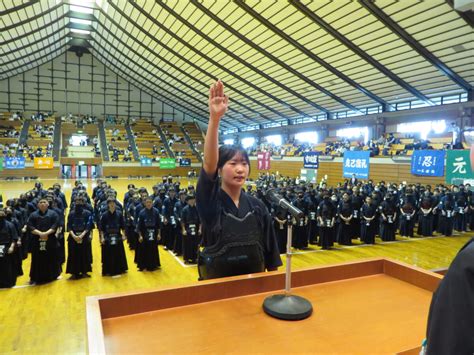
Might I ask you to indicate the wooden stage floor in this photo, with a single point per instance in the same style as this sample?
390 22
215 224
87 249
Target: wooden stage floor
51 318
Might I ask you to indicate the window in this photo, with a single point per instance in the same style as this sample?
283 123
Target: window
424 127
229 141
248 142
274 139
307 137
355 132
82 22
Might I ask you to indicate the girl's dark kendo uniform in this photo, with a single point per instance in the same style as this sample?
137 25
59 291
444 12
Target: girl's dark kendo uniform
236 241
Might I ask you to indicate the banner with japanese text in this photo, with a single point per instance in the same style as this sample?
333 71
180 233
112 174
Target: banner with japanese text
43 163
14 163
428 162
458 165
356 162
167 163
311 160
263 161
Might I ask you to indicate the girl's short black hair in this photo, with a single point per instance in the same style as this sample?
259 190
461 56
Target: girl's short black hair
227 152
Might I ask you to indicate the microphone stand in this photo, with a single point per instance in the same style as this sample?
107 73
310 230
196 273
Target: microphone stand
288 306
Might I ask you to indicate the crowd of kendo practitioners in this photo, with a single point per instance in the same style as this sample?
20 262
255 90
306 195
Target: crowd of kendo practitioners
35 223
364 210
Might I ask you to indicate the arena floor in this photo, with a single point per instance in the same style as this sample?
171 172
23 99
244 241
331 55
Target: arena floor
51 318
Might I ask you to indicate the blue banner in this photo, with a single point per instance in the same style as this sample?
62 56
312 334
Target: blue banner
144 161
356 162
14 163
427 162
311 160
185 162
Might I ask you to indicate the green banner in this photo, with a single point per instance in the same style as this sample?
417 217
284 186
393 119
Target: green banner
167 163
1 164
458 165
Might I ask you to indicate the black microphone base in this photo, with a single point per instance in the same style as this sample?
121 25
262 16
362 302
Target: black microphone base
287 307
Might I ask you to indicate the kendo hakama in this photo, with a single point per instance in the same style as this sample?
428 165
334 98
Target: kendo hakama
8 272
45 264
300 233
147 255
425 224
313 230
388 228
79 259
326 214
344 229
191 224
446 222
407 222
281 228
114 260
368 228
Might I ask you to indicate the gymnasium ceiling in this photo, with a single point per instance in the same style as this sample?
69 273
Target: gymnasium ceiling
279 59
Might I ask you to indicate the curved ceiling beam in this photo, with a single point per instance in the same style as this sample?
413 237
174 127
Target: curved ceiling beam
361 53
29 54
209 59
185 94
145 59
408 39
206 85
35 17
309 53
243 62
104 54
149 90
187 61
37 63
19 7
29 44
263 51
35 30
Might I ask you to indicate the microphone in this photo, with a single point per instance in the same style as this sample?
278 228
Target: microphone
272 196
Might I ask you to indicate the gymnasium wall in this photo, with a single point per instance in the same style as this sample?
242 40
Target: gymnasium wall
72 84
388 172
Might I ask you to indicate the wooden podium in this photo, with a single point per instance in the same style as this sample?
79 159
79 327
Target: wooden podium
373 306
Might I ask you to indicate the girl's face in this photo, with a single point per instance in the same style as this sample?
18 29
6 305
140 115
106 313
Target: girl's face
235 171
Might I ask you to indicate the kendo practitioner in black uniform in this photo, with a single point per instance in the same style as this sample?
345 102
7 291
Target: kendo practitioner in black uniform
16 256
148 226
111 225
191 230
462 209
388 217
170 222
345 212
237 229
313 231
326 220
447 208
131 216
280 224
79 226
407 214
8 238
300 230
178 210
60 228
450 327
357 202
45 264
425 216
368 221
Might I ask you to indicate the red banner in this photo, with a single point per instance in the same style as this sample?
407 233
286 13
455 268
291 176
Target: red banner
263 161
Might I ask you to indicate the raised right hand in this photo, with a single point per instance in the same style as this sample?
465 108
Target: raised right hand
218 101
